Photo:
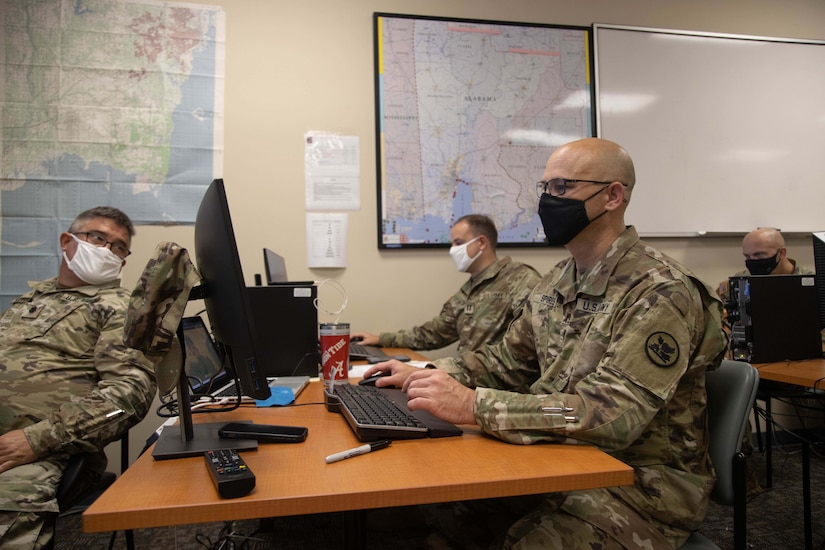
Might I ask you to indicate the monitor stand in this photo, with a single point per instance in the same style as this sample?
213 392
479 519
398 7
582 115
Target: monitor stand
171 444
189 439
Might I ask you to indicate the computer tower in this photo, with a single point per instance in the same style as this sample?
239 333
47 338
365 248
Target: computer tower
774 318
286 325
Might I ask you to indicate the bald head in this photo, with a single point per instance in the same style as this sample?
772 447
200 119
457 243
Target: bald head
765 252
598 177
599 160
763 239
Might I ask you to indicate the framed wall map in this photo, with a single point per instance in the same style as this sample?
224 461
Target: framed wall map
467 113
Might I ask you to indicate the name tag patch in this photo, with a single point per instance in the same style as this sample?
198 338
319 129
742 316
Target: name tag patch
594 306
550 301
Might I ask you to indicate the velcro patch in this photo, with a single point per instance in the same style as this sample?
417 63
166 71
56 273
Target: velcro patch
662 349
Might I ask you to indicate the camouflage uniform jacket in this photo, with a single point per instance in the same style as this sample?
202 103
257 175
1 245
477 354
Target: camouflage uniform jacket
478 313
622 349
66 377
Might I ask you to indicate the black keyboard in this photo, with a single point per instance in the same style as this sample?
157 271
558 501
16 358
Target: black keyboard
382 413
360 351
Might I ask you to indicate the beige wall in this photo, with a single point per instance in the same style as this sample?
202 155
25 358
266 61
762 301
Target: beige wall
295 66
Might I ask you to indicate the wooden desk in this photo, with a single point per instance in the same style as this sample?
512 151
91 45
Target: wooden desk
809 373
293 479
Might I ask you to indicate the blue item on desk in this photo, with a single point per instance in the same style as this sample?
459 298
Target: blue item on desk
279 396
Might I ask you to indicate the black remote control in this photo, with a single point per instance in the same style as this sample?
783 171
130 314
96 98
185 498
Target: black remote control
231 475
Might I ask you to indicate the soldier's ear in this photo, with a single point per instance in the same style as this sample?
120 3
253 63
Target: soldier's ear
65 239
615 194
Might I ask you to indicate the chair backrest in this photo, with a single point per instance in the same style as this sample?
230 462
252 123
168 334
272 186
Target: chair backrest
731 390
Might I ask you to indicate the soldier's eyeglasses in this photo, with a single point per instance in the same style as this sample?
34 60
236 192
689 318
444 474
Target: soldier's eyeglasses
99 239
557 187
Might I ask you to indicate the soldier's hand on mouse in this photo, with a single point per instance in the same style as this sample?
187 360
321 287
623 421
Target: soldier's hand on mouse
400 371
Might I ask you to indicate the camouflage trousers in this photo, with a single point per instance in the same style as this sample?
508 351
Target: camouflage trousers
28 506
590 520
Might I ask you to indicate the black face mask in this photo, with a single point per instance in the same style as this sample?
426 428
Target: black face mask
763 266
563 219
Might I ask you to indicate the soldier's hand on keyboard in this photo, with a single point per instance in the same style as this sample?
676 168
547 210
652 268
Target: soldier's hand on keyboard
438 393
365 338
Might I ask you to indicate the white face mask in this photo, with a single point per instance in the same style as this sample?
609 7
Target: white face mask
94 264
462 260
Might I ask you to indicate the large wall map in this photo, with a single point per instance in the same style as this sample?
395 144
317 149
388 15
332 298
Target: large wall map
103 102
468 112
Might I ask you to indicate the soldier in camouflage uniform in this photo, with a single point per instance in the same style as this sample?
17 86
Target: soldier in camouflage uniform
68 383
611 349
483 307
765 254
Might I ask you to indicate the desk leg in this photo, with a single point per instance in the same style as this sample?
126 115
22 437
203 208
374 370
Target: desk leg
355 529
769 433
806 494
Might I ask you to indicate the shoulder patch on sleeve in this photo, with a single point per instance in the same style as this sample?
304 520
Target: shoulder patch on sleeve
662 349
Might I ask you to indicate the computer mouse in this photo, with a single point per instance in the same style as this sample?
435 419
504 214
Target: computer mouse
370 381
356 339
402 358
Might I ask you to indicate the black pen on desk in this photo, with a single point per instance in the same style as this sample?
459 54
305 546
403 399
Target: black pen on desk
362 450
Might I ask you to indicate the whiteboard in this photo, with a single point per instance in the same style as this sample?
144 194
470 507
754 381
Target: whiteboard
727 132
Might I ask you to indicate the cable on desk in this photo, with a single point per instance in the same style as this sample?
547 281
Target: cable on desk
310 354
774 427
169 406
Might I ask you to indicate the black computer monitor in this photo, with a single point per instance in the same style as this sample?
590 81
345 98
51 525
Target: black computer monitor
275 267
224 288
224 292
819 267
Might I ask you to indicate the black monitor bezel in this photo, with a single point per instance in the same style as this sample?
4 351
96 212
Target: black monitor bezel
224 288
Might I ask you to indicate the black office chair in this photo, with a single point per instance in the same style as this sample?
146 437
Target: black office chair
74 494
731 391
73 498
